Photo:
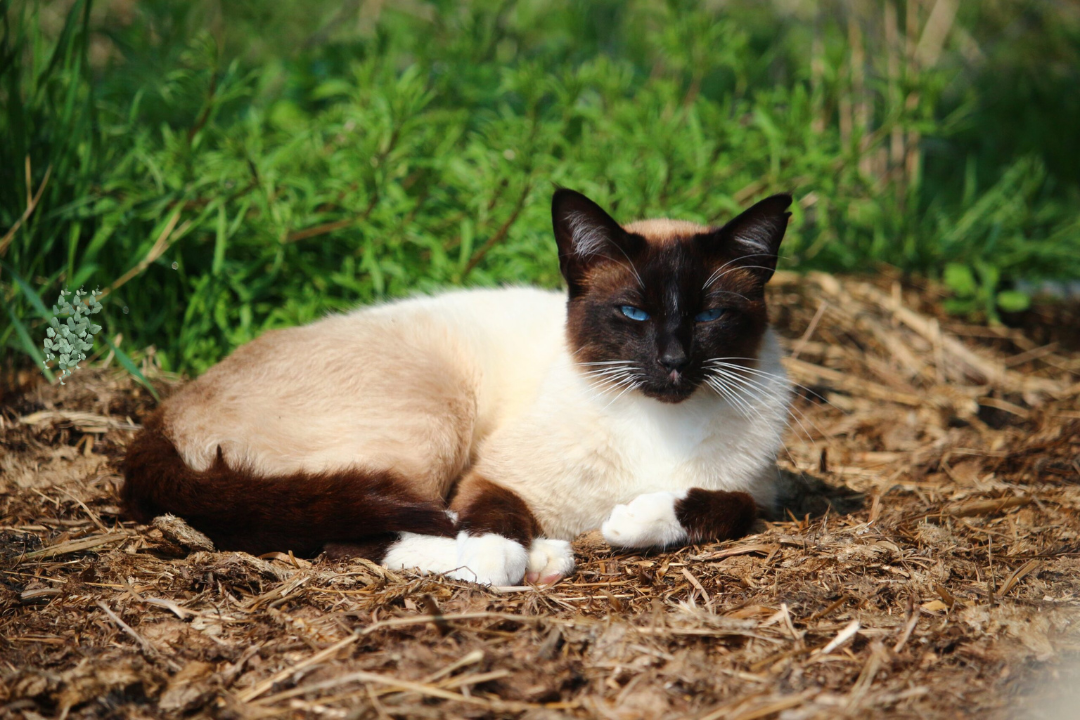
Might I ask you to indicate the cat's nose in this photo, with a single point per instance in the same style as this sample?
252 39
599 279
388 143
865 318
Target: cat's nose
673 360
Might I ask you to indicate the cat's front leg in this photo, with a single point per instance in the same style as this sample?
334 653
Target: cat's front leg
499 541
665 519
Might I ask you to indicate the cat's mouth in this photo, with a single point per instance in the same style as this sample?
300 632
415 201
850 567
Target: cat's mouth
674 387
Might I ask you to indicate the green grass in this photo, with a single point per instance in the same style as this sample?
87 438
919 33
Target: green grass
225 168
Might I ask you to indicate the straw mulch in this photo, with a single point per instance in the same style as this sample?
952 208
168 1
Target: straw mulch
926 566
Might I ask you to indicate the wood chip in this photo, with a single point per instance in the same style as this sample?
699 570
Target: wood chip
987 507
842 637
896 539
81 421
72 546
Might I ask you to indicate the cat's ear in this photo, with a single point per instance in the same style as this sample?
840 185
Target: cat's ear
755 235
586 235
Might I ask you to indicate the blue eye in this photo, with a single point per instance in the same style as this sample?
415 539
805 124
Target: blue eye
709 315
634 313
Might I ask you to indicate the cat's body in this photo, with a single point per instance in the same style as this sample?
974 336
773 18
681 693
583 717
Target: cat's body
357 431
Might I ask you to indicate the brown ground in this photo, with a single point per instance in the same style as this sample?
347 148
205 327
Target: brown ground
928 566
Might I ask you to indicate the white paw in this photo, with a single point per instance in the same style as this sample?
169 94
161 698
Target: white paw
489 559
549 561
426 553
648 521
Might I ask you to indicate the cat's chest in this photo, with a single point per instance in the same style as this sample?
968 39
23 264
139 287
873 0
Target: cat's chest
651 446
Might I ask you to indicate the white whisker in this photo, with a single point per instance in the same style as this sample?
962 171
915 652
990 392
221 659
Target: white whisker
632 268
716 273
717 384
716 277
796 414
735 401
628 264
607 375
731 292
749 385
608 371
720 361
634 384
624 376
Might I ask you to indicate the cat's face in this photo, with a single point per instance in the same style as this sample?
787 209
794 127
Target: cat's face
655 305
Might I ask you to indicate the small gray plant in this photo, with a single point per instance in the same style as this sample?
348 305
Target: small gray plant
72 338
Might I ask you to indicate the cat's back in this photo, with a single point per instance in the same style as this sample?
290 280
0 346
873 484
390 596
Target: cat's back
314 396
511 337
509 316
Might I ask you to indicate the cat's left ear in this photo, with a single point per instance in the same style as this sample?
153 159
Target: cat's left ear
755 235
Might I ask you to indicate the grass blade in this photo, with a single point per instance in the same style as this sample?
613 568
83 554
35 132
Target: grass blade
30 293
28 342
130 366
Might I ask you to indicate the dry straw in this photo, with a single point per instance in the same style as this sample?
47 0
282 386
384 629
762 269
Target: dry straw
925 564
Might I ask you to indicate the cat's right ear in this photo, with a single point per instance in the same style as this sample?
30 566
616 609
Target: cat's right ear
586 235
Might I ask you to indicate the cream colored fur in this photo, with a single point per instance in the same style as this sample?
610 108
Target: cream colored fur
432 385
575 454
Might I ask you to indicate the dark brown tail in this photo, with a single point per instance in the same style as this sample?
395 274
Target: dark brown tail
301 512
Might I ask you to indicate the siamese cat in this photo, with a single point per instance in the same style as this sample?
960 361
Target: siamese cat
475 433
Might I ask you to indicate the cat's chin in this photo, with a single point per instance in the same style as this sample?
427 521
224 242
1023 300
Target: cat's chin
672 394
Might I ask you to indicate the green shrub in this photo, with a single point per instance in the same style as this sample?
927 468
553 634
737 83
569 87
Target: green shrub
223 174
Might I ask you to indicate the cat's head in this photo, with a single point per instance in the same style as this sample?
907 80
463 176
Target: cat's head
654 304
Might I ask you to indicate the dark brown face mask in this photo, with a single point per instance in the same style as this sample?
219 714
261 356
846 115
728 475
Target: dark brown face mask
658 308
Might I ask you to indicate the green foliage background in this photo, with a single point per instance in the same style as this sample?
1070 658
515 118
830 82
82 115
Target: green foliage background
226 167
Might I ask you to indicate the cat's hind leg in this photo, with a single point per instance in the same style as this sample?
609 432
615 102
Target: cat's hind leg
493 559
402 551
496 543
499 538
298 511
549 561
489 559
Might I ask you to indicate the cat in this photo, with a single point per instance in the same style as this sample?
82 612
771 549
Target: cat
475 433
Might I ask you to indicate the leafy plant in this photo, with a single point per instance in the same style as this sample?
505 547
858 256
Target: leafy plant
250 165
976 290
68 342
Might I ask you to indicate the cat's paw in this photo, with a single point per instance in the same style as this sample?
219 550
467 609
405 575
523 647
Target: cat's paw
489 559
426 553
648 521
549 561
